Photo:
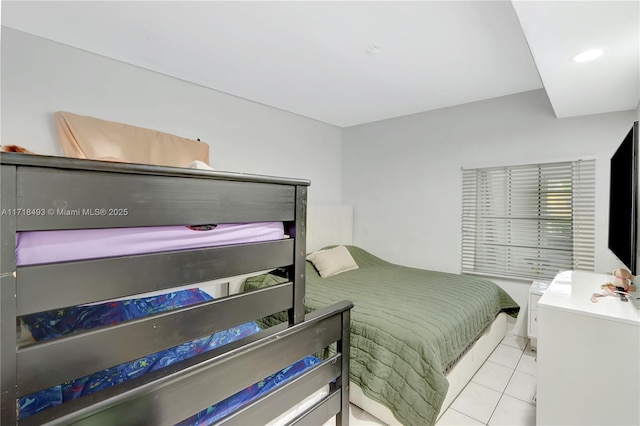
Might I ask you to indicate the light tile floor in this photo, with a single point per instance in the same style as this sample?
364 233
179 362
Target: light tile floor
501 393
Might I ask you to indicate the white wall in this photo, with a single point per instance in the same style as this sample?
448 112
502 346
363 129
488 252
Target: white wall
403 175
40 77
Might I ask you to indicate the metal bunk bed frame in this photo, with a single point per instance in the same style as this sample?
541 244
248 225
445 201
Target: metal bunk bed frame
36 194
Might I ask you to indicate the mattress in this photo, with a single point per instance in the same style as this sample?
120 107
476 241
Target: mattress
35 247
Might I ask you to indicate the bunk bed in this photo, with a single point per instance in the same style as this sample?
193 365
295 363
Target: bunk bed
46 195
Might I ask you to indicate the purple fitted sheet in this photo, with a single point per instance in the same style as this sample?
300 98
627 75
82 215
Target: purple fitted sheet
61 246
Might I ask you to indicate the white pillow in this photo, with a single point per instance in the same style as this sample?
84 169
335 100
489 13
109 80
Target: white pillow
197 164
332 261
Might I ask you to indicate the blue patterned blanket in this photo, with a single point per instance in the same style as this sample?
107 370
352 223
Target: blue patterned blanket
52 324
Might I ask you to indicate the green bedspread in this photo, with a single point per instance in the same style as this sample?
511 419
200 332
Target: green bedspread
407 326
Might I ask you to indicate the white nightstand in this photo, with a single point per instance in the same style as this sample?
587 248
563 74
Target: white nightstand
536 291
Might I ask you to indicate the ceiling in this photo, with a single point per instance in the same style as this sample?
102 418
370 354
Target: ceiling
348 63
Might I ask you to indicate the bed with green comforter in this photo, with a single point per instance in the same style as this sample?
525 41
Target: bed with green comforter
407 327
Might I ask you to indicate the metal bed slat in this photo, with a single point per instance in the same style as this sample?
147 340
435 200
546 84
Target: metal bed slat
320 412
52 162
116 200
284 397
84 353
151 398
57 285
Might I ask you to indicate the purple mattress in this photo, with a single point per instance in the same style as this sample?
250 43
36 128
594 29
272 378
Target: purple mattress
61 246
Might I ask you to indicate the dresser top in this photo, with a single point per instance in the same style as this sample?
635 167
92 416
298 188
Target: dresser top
573 290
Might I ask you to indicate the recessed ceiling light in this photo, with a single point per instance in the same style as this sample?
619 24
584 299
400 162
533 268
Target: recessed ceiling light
588 55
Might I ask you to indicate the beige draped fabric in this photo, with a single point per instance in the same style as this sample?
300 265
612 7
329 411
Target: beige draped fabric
92 138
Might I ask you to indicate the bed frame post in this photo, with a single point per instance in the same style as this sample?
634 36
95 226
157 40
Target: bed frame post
296 315
343 347
8 367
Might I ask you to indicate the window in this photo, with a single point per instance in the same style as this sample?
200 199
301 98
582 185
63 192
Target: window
528 221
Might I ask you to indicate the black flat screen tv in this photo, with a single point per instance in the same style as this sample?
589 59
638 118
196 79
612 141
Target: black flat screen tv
623 201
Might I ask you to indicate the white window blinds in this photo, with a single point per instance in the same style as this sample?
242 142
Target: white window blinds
528 221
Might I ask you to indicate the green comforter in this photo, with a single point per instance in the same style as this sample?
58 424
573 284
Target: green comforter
407 326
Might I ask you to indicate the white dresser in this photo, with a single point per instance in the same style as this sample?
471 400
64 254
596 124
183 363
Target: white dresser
588 354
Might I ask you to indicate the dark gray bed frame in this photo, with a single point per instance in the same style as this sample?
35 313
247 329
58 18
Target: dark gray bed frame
49 193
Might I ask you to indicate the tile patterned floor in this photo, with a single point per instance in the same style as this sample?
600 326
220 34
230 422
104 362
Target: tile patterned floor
501 393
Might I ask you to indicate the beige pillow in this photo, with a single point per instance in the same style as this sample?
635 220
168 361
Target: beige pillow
25 336
332 261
